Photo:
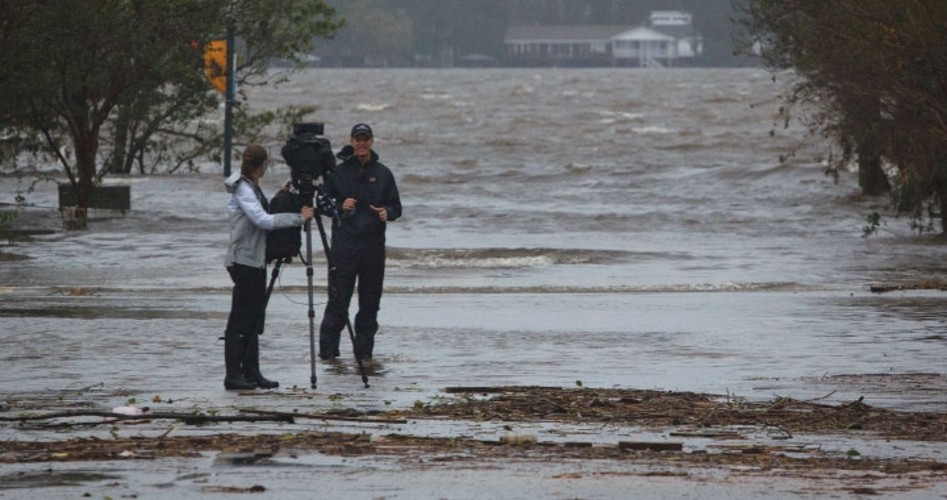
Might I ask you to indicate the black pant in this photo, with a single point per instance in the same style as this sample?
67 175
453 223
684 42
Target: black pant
248 305
363 262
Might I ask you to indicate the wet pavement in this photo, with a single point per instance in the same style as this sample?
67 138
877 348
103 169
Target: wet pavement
159 350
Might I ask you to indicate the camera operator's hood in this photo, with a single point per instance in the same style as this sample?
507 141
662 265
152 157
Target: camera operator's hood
231 182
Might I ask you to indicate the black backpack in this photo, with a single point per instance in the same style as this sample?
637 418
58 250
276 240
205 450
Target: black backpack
284 243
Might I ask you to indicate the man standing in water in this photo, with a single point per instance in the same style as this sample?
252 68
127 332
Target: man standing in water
368 197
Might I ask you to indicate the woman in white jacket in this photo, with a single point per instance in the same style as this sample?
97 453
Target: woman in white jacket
246 263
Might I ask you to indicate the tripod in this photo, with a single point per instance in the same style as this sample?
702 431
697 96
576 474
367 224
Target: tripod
322 204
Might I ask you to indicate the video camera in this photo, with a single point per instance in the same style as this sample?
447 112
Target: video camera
309 156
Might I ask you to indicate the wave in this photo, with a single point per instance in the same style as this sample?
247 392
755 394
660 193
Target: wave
493 258
609 117
373 107
652 130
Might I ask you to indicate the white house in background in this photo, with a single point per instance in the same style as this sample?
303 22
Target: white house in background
560 45
644 47
678 25
668 40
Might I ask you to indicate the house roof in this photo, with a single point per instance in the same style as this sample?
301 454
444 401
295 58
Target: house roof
641 33
577 34
561 33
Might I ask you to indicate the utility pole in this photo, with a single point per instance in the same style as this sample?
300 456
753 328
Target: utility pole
231 94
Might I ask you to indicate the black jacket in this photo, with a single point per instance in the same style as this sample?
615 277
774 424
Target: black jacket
370 184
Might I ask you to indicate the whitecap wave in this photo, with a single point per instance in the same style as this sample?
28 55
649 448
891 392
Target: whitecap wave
373 107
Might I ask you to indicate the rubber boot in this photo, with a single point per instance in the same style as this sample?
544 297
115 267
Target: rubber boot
365 329
328 343
364 345
251 364
233 357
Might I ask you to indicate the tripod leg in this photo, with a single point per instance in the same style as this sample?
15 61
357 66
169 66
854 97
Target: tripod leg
269 288
312 314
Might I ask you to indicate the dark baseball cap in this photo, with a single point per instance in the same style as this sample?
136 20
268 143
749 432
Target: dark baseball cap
361 129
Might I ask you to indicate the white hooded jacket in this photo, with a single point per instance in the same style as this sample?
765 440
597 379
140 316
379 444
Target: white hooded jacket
249 223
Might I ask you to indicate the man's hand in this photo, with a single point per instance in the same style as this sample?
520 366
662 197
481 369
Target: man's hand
381 211
307 212
349 204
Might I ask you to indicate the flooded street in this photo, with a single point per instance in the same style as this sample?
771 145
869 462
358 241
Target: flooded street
562 228
755 345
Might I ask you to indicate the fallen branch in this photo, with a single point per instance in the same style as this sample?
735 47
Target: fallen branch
323 416
474 389
187 418
918 285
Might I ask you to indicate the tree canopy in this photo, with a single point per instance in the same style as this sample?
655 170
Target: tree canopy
105 83
875 72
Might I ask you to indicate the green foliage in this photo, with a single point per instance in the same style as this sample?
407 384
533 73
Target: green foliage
113 84
870 78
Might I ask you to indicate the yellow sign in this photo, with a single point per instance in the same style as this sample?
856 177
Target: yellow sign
215 64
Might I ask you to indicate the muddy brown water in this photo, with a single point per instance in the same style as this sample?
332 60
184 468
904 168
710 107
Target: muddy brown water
603 228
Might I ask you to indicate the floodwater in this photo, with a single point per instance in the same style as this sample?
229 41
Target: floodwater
595 227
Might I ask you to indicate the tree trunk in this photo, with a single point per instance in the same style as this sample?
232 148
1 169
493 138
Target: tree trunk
943 212
871 177
120 146
940 191
87 145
